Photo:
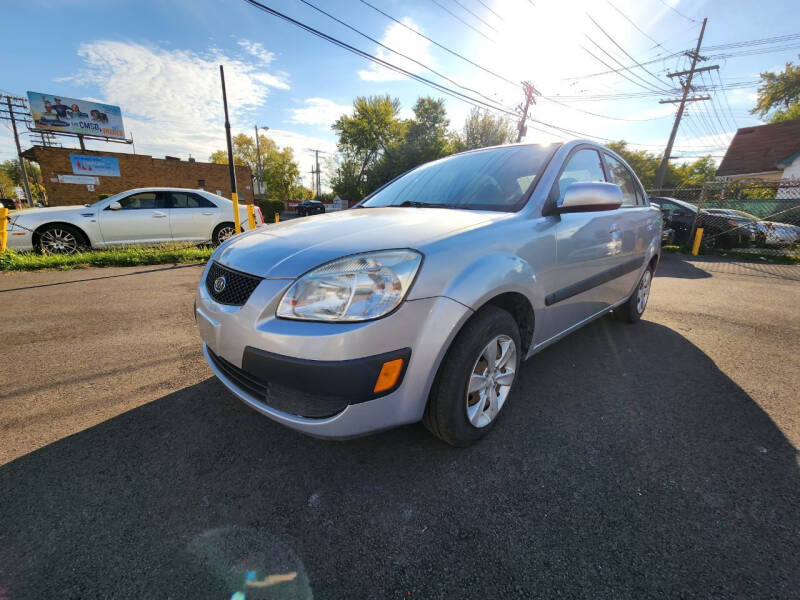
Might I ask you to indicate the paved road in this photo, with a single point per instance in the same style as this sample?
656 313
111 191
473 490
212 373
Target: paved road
655 460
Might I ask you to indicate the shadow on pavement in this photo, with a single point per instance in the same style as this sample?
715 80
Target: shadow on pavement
672 265
627 465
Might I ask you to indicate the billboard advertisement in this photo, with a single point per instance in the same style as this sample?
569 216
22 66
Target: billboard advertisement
99 166
69 115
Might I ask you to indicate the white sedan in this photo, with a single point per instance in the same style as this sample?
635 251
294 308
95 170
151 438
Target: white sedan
140 216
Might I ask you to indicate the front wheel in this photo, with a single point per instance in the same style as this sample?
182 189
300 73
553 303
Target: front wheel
60 239
475 379
633 309
223 232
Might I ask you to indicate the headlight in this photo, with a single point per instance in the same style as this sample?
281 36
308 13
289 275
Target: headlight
352 288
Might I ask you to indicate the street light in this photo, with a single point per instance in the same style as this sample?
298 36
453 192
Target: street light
260 170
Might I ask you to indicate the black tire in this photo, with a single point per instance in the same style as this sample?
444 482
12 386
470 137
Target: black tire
60 238
632 311
221 233
446 415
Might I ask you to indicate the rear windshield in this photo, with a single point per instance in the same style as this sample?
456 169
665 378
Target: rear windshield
491 179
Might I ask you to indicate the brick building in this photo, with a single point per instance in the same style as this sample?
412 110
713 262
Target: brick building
135 171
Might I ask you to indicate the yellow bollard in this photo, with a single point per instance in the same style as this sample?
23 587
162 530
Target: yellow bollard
697 237
251 217
4 230
236 223
277 217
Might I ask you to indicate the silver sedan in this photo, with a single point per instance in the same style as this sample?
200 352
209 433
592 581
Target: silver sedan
422 301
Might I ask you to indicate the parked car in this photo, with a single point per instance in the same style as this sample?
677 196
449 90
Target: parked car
773 233
140 216
422 301
309 207
720 229
9 203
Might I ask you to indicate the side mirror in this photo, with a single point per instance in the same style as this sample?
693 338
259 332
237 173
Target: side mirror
590 196
114 206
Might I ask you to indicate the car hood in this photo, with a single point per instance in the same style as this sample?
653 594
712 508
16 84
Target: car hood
290 248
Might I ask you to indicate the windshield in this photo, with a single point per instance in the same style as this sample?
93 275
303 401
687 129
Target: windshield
492 179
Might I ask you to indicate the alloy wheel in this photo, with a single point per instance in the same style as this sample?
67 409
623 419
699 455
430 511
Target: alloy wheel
643 293
490 380
225 233
59 241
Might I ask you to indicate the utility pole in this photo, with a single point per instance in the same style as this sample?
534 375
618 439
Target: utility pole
260 169
318 188
316 182
313 182
231 169
530 93
18 103
687 88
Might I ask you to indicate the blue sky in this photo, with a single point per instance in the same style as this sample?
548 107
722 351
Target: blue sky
158 61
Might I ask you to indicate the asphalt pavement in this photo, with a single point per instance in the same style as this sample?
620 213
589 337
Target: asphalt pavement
655 460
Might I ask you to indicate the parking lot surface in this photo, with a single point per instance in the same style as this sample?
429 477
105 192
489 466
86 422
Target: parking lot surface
648 460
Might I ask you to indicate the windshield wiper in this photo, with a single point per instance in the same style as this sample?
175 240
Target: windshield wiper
416 204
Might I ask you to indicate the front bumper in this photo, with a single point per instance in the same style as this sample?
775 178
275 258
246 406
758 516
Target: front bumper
325 370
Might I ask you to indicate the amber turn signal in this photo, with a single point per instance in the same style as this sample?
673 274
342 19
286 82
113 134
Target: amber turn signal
390 372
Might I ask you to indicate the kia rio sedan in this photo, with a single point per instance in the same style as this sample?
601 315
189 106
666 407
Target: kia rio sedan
421 302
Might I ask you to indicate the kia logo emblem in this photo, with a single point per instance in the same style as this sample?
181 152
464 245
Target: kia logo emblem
219 284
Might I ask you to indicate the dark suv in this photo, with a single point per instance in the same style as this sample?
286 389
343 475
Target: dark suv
310 207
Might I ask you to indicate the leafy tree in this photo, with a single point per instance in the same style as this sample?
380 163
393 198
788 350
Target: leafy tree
364 137
280 169
645 164
424 138
6 185
12 173
483 129
779 94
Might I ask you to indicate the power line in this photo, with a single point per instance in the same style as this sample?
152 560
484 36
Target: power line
476 16
613 41
677 12
757 42
443 47
650 89
489 8
450 12
728 104
639 29
382 45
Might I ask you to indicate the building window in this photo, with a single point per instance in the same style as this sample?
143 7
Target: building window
201 184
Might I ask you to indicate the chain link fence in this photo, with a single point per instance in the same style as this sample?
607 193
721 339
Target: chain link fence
751 216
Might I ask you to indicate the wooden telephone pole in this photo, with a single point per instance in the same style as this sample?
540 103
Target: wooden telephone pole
686 84
530 93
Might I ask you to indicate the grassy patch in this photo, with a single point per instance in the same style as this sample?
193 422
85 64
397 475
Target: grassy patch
119 257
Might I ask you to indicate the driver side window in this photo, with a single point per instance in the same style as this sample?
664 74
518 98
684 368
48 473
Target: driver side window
585 165
142 200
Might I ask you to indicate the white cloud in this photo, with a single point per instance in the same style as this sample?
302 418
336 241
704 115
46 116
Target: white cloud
171 99
257 49
319 111
401 39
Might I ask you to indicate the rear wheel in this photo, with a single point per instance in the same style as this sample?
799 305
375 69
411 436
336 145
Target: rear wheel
633 309
60 239
223 232
476 378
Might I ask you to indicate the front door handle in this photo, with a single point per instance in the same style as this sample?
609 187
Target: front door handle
613 229
208 213
159 215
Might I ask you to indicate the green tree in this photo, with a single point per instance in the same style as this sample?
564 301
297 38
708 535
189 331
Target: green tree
645 164
12 173
483 129
779 94
424 138
281 172
364 137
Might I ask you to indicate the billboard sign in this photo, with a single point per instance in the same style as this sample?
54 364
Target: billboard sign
102 166
69 115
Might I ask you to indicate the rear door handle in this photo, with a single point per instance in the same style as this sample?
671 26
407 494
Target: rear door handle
208 213
159 215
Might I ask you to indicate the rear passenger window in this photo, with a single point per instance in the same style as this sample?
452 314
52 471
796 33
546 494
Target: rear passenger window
620 175
187 200
585 165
